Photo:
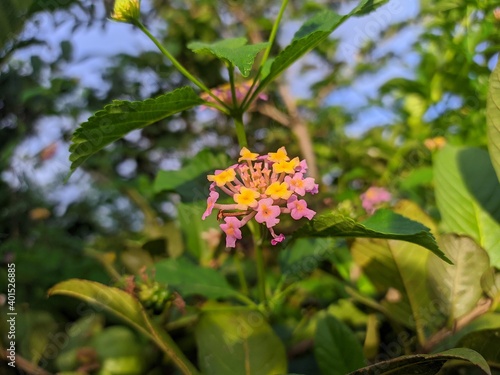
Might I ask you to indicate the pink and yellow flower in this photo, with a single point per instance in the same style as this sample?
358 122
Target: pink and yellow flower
373 197
262 187
232 229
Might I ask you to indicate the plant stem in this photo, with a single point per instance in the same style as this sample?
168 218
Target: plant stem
261 274
241 274
168 345
177 64
230 69
247 101
274 31
240 129
259 261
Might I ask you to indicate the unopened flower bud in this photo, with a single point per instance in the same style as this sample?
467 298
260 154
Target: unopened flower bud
126 11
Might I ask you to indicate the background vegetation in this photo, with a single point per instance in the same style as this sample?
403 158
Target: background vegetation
425 78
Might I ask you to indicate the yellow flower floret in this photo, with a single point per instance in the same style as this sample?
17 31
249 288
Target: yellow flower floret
278 190
286 166
248 155
223 178
279 156
246 197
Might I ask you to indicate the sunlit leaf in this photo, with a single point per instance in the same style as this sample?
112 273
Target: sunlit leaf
236 51
120 117
468 196
457 287
493 118
399 270
240 342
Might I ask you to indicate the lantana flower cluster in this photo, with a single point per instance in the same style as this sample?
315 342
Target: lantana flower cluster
262 187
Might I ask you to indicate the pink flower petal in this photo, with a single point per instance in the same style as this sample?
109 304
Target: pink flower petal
212 199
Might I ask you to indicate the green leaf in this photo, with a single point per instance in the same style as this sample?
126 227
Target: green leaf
120 117
234 51
241 342
311 34
383 224
457 287
195 229
484 342
190 279
299 260
424 364
202 164
468 196
125 307
493 118
336 348
399 270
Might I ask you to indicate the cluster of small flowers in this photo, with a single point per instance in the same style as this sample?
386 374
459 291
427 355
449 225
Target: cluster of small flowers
262 187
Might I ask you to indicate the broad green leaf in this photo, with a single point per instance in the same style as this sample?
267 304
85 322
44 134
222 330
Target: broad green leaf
336 348
383 224
127 308
202 164
485 342
399 269
457 287
311 34
120 117
240 342
236 51
424 364
190 279
493 118
468 196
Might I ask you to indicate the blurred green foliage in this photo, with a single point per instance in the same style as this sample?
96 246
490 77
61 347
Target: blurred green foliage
450 58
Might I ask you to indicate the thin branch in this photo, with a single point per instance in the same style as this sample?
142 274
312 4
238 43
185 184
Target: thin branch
24 364
273 113
482 307
299 128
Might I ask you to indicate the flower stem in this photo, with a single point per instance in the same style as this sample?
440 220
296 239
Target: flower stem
241 274
274 31
250 97
169 347
240 129
177 64
259 261
261 274
230 69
